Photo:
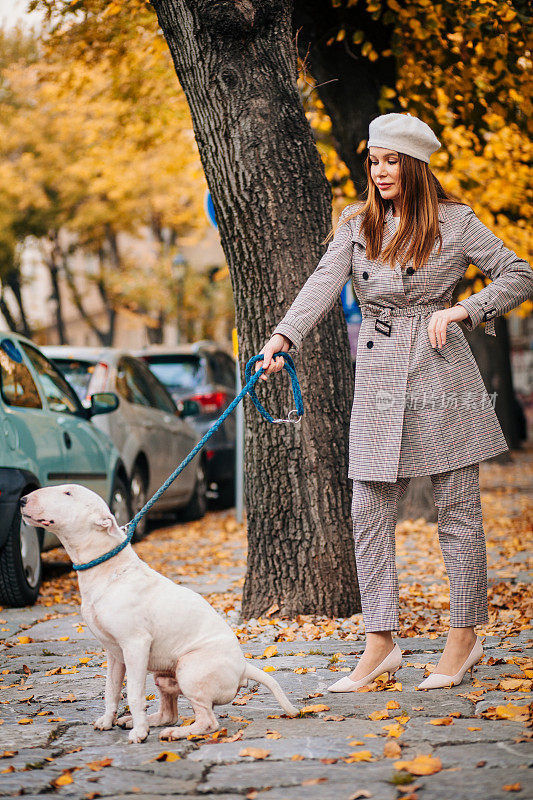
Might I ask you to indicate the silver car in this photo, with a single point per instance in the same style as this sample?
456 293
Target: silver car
148 429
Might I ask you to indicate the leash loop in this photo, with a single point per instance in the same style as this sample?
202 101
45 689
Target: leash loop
249 388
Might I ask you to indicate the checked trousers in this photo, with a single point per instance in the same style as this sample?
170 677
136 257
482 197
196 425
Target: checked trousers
461 536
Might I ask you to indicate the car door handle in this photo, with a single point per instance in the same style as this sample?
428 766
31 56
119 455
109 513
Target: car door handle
68 440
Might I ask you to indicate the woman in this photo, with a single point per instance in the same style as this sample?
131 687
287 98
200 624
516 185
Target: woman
420 405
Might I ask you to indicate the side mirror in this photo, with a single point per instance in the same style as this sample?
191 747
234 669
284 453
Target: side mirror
102 403
188 408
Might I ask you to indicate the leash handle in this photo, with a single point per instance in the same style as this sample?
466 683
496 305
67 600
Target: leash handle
248 388
289 366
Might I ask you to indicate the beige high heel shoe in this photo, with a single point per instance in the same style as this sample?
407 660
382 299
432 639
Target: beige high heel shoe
438 680
390 664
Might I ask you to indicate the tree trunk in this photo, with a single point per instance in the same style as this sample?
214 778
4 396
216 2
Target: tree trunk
237 65
53 267
6 313
13 281
348 84
104 337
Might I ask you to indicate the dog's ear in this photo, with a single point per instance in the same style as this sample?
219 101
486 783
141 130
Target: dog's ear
108 523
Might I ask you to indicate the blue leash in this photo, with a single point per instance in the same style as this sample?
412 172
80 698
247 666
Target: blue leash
248 389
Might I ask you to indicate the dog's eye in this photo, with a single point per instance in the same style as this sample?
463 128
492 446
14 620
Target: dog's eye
69 494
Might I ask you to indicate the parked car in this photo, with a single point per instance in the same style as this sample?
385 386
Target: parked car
204 372
151 434
46 438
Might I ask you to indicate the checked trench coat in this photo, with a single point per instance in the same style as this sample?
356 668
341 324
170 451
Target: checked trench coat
416 410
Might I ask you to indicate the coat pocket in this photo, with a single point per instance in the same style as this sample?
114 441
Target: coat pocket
449 353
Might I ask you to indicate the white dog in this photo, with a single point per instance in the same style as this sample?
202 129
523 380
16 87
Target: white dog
145 622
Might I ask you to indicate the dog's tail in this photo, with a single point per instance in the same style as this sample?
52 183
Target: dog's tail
271 683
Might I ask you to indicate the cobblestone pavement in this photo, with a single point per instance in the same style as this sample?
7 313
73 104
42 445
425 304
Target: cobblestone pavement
52 686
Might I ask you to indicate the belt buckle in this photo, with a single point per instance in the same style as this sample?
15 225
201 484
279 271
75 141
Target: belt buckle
386 325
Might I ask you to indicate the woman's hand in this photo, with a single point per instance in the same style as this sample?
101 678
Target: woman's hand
439 322
275 344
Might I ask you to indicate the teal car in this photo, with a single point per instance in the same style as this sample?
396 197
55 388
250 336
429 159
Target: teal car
46 439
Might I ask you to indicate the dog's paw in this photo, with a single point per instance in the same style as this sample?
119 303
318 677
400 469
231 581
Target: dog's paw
173 734
138 735
125 722
104 723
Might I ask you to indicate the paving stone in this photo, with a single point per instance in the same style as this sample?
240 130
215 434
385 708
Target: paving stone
261 775
16 737
476 784
458 733
500 754
311 747
377 790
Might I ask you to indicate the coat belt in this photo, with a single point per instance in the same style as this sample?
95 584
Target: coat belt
384 314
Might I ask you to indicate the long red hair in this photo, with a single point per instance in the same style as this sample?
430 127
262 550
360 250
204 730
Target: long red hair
420 194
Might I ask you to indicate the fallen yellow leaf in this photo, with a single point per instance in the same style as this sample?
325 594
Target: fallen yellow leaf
442 721
375 715
64 779
254 752
270 651
361 755
167 755
392 750
510 711
421 765
96 766
314 709
394 731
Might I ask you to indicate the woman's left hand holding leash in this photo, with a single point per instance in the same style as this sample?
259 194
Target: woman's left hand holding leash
439 322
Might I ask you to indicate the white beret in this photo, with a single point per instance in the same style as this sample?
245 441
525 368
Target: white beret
403 133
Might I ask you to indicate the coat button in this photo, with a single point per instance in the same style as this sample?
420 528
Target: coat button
370 343
365 275
409 270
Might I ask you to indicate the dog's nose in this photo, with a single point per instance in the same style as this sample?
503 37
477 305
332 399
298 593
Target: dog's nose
23 501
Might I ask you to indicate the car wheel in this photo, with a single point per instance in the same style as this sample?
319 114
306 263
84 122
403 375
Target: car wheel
138 492
197 505
120 501
20 565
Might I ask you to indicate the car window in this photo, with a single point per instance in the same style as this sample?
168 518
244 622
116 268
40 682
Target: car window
228 370
59 395
131 384
160 397
177 372
222 369
17 385
78 374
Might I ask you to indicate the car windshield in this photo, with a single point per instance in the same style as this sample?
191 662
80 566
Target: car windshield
78 374
177 372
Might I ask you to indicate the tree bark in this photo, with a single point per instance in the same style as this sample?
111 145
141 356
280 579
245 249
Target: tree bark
237 65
